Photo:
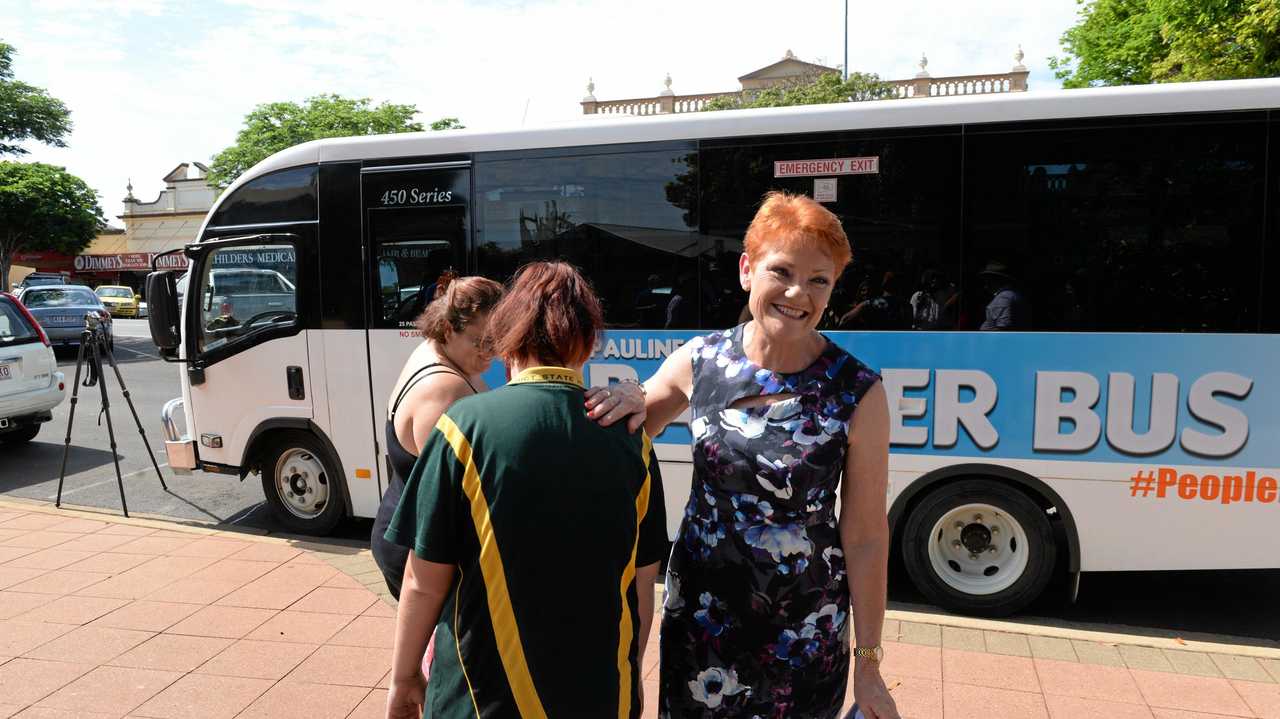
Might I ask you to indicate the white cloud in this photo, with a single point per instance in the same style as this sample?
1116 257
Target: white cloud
153 84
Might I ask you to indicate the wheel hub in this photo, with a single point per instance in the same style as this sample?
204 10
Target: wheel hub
301 484
978 549
975 537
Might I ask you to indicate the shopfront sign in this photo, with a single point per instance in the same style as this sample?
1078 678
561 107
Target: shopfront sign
127 262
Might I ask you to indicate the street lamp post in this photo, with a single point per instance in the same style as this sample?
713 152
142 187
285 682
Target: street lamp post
846 40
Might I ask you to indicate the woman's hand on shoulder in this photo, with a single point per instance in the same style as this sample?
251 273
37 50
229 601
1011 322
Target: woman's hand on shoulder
668 391
607 405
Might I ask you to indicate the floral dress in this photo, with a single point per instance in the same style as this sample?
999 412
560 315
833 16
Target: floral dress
755 622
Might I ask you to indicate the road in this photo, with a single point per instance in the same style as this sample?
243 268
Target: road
1236 603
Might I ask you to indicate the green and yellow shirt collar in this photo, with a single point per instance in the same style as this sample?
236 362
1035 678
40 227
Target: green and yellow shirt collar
562 375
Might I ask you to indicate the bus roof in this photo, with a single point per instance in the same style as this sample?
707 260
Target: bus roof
1159 99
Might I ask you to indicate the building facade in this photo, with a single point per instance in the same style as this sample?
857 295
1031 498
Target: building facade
792 69
167 223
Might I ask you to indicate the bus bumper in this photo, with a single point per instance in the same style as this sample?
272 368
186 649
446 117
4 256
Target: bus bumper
178 447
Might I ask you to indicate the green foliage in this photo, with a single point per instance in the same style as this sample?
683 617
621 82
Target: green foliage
275 126
1125 42
44 208
27 112
448 123
817 90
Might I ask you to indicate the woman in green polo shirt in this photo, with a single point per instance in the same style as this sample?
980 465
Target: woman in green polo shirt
535 531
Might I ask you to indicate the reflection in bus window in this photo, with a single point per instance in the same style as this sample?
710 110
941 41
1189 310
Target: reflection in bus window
414 249
245 289
624 219
902 221
1116 229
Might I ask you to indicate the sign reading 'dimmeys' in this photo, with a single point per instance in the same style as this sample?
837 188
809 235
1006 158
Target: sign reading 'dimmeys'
829 166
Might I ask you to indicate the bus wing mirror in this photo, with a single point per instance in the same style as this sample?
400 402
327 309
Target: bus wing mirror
163 312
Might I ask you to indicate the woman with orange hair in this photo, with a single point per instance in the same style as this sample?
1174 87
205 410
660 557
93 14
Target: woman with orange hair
766 578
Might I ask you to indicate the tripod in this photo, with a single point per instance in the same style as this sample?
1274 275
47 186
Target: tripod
93 341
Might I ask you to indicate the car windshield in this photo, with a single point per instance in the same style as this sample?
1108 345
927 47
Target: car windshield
65 297
124 292
14 327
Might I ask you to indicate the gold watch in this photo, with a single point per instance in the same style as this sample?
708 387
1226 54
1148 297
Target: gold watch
875 654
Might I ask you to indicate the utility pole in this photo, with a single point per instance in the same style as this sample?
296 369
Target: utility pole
846 40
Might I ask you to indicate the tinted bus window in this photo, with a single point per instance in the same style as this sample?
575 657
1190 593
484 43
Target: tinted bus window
284 196
901 214
413 249
1271 241
626 219
1131 227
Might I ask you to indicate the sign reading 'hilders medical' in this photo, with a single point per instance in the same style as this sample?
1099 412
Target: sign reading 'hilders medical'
829 166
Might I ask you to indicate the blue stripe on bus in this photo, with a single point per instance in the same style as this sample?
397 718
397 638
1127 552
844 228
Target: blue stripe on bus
1231 375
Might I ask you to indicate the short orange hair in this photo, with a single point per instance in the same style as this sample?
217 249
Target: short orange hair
786 220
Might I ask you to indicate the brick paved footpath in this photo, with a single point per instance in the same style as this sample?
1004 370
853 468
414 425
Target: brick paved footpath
106 617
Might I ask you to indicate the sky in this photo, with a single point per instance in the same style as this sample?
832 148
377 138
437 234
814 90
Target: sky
153 83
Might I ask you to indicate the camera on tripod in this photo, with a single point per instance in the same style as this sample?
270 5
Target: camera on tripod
95 345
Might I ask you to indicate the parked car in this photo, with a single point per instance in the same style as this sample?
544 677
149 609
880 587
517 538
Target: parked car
60 310
30 383
40 278
120 301
240 294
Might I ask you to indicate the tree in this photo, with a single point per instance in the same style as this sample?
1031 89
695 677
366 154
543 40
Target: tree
822 89
274 126
1126 42
27 112
44 208
448 123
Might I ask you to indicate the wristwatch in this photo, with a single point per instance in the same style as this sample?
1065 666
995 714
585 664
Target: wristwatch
875 654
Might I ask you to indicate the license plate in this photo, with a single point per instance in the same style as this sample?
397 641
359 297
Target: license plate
6 371
65 319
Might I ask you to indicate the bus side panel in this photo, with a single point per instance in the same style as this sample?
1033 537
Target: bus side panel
348 416
389 350
1121 533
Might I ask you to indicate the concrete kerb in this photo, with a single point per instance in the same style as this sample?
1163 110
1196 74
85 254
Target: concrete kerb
1134 636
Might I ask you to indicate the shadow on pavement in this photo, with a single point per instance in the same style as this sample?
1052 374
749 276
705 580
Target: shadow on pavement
40 460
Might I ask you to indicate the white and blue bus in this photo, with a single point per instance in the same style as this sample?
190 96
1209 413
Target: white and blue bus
1125 415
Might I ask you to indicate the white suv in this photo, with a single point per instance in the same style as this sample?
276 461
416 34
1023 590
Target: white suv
30 383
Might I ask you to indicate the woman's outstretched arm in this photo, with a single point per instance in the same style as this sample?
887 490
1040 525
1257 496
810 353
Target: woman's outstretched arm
668 390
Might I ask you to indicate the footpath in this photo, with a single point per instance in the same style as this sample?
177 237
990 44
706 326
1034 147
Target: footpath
103 617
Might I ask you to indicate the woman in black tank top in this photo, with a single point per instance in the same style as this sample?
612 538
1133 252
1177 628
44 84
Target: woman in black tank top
453 327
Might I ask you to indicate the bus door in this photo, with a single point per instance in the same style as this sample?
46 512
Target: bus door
417 224
246 316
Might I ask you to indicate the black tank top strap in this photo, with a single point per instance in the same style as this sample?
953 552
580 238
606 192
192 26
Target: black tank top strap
418 376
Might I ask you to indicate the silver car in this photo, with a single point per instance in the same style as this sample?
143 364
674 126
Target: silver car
60 310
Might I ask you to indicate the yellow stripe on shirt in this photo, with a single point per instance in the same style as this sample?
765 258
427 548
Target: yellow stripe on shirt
501 615
625 630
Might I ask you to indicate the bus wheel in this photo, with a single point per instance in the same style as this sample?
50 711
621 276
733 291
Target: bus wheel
979 547
301 484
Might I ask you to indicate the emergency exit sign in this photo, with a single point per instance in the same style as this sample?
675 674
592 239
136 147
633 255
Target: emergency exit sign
830 166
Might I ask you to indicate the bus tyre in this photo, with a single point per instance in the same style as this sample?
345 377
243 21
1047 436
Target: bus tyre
301 484
980 547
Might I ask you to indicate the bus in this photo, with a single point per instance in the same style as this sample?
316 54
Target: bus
1067 294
